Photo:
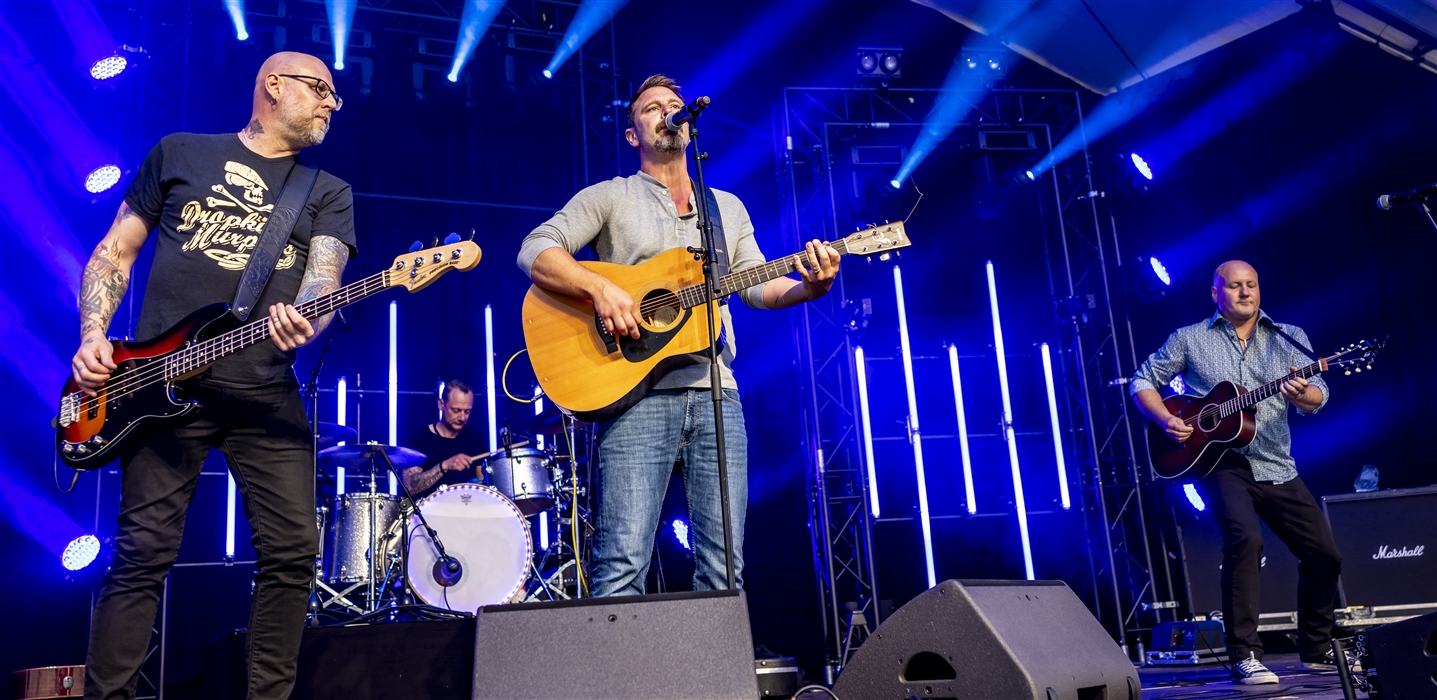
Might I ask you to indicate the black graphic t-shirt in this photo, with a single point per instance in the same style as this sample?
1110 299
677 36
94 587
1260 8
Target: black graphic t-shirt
437 448
208 195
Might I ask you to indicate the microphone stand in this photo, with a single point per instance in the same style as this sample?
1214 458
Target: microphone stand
711 285
445 561
311 395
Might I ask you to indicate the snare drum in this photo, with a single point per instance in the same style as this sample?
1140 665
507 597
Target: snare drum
349 540
524 478
485 532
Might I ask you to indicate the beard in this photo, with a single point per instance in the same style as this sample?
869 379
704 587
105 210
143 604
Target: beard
670 142
299 125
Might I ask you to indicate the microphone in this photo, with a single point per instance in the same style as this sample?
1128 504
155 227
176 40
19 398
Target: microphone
447 571
689 112
1416 194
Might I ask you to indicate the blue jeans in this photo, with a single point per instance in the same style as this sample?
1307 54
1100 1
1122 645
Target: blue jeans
637 453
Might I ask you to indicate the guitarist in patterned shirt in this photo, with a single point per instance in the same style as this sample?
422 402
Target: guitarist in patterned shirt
1257 483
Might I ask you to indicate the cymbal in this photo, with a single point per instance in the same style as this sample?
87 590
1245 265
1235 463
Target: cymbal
359 456
331 434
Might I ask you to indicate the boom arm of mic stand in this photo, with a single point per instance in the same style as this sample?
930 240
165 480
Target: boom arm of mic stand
433 537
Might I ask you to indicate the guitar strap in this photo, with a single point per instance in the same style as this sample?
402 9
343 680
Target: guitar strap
720 255
292 197
1293 342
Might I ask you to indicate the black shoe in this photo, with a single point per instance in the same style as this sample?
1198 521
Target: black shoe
1326 661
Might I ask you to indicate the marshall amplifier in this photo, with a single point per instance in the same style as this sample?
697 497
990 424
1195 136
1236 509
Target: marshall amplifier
1388 541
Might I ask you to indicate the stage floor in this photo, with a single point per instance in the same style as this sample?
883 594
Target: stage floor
1212 681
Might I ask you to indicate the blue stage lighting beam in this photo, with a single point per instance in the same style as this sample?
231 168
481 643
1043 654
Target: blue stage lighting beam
478 15
27 207
489 385
952 105
971 500
393 384
862 367
1057 434
230 518
913 428
86 160
588 20
96 49
1008 433
341 416
341 18
235 8
25 507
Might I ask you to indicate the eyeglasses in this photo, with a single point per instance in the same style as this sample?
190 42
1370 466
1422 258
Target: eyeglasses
320 88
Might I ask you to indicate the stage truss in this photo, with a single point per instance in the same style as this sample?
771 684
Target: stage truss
1095 355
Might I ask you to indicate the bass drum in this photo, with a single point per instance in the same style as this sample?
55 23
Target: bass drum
485 532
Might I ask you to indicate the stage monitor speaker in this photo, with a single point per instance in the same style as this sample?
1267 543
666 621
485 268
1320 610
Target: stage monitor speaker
1403 659
991 640
669 645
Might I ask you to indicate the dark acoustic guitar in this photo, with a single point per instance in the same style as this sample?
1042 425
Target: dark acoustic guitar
147 389
1226 417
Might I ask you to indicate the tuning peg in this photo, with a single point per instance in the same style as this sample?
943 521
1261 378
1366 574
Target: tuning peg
1369 366
416 247
1358 370
451 239
1348 373
435 244
471 234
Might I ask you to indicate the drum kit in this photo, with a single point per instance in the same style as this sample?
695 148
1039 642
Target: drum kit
459 548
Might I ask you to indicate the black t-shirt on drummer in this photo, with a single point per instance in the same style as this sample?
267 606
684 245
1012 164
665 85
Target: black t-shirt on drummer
437 448
208 195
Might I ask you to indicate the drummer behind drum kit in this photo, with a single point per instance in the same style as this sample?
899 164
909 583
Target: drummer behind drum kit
483 553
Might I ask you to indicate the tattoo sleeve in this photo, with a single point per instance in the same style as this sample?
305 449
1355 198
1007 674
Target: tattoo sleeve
327 257
104 281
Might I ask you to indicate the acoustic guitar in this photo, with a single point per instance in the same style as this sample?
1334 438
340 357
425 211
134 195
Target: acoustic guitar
585 369
147 389
1226 417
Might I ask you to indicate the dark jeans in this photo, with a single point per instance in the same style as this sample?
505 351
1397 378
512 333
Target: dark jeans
264 435
1237 502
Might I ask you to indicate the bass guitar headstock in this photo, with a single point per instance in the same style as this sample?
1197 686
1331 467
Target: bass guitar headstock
419 269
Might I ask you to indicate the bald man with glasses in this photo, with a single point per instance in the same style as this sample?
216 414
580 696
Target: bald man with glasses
208 198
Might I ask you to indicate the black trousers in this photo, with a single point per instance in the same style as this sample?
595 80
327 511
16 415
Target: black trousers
264 435
1237 502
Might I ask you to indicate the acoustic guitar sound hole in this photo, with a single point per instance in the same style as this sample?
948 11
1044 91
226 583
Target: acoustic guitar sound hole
660 308
1209 418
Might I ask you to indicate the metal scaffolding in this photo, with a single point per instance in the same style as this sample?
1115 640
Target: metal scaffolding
1092 356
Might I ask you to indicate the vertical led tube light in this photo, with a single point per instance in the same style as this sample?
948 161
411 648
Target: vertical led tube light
441 398
341 415
972 502
489 376
915 434
543 530
393 384
1057 436
1008 425
230 519
858 362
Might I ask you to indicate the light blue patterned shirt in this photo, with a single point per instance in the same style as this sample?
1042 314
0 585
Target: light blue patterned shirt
1207 353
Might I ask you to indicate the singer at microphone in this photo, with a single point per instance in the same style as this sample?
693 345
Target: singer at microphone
1416 195
675 120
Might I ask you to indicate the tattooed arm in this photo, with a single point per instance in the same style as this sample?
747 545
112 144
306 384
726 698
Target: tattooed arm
327 256
102 286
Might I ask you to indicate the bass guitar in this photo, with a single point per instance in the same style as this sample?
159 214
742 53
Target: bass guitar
1226 417
585 369
146 390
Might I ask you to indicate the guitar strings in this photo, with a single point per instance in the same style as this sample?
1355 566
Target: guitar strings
787 264
1261 393
127 382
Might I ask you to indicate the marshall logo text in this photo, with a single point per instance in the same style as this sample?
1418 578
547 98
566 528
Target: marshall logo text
1385 552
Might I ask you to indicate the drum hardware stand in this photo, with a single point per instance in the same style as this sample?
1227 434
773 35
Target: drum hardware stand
447 570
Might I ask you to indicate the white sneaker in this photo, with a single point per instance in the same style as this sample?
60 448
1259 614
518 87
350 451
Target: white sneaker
1250 671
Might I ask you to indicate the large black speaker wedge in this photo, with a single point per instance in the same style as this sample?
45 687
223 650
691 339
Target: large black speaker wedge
670 645
991 640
